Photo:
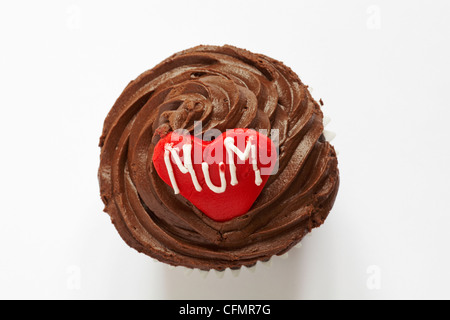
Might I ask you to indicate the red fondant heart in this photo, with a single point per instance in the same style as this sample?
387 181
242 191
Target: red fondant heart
224 195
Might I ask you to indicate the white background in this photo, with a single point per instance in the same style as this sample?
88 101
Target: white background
381 67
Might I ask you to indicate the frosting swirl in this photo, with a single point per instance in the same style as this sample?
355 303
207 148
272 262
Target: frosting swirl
224 88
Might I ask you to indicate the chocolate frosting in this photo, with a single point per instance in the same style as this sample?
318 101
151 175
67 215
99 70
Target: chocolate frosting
224 87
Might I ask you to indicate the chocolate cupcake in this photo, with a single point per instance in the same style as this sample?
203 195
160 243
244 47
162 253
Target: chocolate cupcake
216 159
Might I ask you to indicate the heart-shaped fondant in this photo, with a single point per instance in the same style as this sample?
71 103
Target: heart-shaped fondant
223 177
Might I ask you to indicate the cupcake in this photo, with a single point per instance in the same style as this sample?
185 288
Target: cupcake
216 158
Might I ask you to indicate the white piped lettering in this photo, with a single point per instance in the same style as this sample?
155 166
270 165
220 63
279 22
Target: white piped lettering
186 166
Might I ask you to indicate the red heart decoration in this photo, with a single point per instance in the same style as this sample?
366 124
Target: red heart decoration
223 177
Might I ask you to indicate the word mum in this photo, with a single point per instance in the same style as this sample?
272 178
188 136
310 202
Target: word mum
217 155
